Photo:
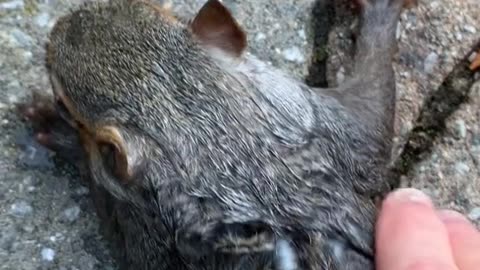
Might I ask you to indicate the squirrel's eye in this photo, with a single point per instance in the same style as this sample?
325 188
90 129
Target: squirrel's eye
108 155
62 110
60 106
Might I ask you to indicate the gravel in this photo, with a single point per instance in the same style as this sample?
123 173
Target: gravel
8 236
430 62
11 5
451 172
21 209
72 213
47 219
47 254
293 54
475 214
461 129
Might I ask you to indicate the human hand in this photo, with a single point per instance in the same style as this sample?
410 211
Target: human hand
412 235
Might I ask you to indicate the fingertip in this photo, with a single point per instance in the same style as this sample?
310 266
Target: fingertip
408 195
448 216
464 239
409 231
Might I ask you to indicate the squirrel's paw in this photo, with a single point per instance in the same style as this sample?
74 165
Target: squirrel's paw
49 128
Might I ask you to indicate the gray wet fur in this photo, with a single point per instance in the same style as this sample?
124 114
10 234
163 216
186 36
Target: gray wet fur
237 163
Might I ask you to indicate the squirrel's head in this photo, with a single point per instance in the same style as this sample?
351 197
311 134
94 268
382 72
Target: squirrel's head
128 71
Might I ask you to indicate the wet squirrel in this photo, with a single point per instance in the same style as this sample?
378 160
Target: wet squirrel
200 156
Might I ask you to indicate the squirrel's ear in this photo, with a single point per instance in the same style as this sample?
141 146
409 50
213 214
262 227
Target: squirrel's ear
215 27
121 157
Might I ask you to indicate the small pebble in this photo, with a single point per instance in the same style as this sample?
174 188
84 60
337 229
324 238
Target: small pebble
460 128
340 75
21 38
260 36
82 191
293 54
7 238
302 34
12 4
431 61
474 214
475 151
434 4
476 139
21 209
59 237
462 168
12 99
472 56
72 213
88 262
28 228
167 4
406 128
458 36
476 77
27 55
48 254
42 19
398 31
470 29
31 181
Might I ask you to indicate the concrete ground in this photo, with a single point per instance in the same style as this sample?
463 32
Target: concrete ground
46 218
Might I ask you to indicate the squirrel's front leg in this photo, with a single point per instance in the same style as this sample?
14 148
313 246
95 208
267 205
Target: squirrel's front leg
50 129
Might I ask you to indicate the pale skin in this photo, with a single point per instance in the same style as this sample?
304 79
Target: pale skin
411 234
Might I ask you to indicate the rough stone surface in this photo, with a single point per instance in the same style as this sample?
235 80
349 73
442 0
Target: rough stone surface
451 172
38 194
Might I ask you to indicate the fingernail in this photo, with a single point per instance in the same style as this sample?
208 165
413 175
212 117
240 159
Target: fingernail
410 195
450 215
